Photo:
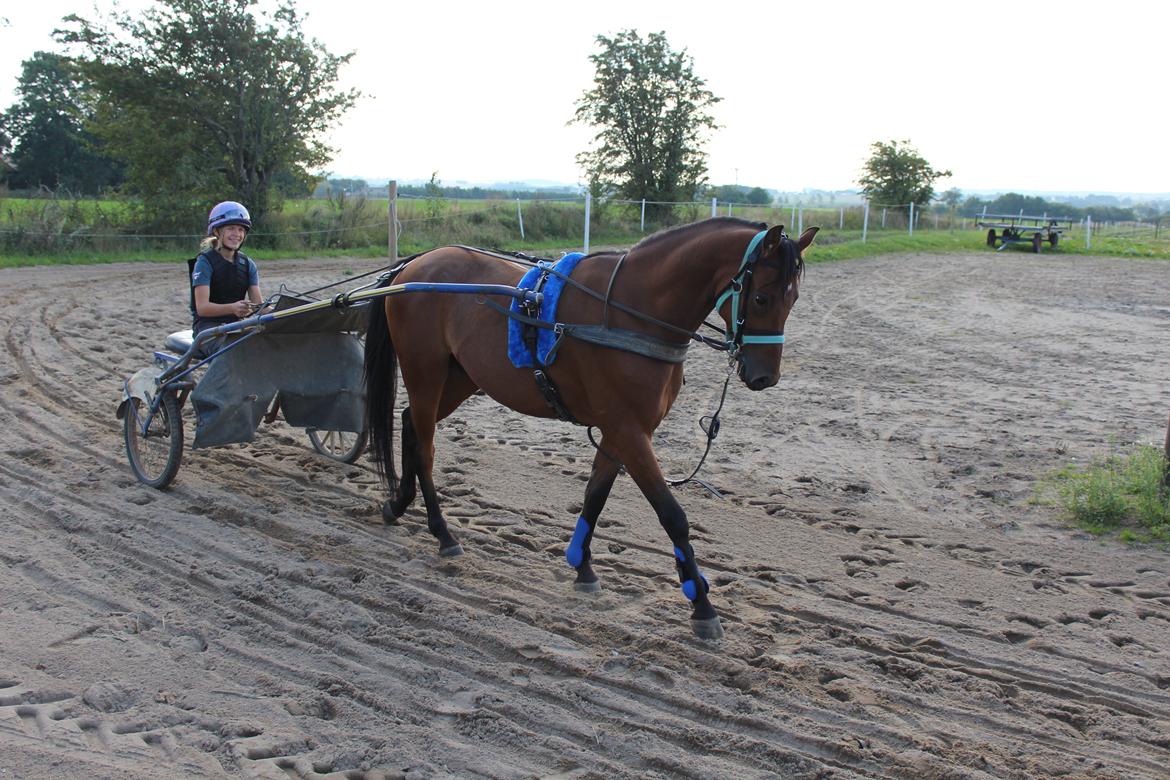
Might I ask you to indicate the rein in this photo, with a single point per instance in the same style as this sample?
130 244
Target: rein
734 336
528 260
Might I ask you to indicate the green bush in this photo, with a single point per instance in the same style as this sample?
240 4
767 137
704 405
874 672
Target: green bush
1120 493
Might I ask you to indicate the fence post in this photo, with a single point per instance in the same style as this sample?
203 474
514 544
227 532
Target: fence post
714 206
392 248
841 225
520 217
1166 465
912 218
588 203
799 220
1088 230
865 222
643 215
883 218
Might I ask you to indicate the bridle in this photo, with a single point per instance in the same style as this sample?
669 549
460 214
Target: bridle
736 334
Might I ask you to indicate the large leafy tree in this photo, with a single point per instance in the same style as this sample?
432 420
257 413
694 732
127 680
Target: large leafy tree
651 113
46 131
897 175
208 100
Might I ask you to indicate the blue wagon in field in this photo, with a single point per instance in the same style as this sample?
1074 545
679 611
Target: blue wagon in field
1013 228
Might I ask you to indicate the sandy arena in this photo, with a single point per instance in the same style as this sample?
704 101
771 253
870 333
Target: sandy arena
896 602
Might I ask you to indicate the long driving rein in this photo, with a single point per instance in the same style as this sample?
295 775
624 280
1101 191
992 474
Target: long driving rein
735 335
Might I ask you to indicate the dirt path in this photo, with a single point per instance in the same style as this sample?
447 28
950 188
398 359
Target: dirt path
895 603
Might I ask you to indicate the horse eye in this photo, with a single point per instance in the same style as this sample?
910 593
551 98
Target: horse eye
761 299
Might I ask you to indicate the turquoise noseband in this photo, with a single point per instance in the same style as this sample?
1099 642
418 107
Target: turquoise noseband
734 335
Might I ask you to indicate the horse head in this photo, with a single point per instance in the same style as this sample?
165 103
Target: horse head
761 297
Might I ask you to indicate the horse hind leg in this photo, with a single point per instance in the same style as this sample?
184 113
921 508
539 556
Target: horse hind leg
423 427
395 507
578 553
419 423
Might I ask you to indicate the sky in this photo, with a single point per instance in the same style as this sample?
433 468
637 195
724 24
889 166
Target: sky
1036 96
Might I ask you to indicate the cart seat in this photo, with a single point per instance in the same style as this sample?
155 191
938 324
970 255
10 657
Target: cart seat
180 341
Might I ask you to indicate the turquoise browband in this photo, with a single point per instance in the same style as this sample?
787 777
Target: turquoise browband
733 335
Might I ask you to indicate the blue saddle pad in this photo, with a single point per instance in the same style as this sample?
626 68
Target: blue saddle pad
517 350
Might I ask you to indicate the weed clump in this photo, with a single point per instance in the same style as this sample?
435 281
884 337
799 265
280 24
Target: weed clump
1121 493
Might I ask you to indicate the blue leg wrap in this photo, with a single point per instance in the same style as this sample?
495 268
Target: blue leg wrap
575 552
689 588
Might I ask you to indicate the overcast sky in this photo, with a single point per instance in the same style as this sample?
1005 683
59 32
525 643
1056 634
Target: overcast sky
1037 96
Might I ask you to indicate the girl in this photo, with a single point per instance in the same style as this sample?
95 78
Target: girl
225 285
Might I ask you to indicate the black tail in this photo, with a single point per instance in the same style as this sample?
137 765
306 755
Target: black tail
381 383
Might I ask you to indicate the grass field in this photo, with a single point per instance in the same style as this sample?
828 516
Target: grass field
64 231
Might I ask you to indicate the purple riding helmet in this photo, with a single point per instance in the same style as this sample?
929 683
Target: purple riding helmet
228 213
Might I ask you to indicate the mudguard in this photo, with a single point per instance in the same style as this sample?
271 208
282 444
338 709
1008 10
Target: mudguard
143 386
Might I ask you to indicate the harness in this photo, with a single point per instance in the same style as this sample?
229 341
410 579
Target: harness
735 335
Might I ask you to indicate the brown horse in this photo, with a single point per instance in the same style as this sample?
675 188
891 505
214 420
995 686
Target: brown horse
449 346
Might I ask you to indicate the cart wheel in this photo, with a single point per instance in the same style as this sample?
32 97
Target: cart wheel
155 455
343 446
1037 240
1053 239
991 237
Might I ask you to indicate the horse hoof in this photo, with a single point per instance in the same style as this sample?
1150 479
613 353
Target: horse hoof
389 516
707 629
587 587
451 551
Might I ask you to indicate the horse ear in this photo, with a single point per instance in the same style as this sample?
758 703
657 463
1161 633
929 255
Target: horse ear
806 238
771 243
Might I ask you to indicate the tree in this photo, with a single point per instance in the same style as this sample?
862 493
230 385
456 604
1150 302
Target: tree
206 100
952 198
651 111
738 193
898 176
45 129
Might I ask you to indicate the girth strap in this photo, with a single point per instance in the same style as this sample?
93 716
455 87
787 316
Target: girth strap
627 340
531 324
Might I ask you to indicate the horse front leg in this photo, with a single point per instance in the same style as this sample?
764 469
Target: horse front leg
638 456
578 553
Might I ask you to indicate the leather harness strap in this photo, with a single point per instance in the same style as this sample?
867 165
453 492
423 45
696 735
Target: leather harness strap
609 289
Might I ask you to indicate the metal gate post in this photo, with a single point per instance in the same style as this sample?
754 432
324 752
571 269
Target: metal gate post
588 203
392 247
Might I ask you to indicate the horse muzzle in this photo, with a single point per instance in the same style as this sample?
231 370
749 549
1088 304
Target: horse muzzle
757 377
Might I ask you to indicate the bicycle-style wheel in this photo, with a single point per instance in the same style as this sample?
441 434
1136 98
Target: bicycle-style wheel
343 446
155 454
